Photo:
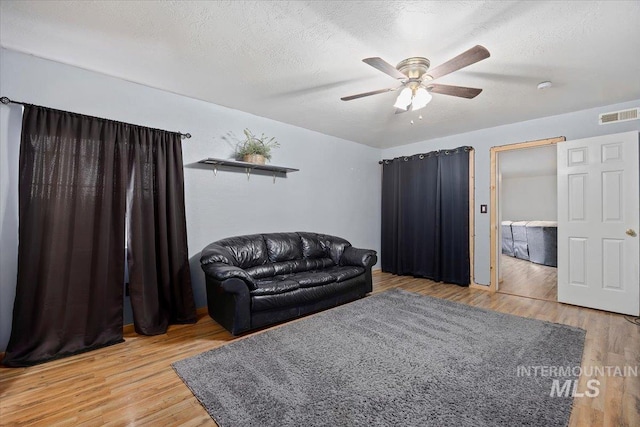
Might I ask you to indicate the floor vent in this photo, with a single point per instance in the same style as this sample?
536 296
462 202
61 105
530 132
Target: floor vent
619 116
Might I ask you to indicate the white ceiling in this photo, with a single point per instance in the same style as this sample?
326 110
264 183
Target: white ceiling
292 61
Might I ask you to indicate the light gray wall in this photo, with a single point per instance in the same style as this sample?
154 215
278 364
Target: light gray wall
576 125
337 190
529 198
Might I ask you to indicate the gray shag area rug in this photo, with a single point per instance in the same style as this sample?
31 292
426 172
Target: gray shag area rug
391 359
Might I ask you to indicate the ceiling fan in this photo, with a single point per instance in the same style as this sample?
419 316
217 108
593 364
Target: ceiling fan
416 78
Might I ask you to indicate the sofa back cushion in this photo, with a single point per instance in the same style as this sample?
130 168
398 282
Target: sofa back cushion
248 251
311 245
333 246
264 255
289 267
283 246
261 271
298 265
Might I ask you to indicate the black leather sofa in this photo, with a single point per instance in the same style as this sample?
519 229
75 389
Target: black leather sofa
262 279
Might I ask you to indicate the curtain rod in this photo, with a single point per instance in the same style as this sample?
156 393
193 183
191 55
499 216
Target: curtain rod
7 101
429 154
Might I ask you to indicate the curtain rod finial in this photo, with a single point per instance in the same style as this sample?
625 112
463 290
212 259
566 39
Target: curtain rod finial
5 100
185 135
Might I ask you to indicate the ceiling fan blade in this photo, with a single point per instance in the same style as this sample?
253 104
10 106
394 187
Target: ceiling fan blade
385 67
460 91
473 55
362 95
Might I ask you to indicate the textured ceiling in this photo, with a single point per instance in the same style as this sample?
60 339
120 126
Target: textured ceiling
292 61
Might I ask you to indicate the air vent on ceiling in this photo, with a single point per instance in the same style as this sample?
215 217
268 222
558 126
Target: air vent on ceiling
619 116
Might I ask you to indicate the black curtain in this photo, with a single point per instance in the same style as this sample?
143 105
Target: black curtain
159 277
425 215
72 189
74 175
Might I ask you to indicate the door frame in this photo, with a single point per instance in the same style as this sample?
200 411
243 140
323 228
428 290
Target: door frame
496 248
472 220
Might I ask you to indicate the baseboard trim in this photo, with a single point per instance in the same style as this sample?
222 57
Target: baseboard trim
481 287
129 328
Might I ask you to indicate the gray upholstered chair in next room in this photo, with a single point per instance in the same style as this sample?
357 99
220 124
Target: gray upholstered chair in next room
520 246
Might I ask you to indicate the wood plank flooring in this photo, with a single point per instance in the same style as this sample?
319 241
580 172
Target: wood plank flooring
133 383
528 279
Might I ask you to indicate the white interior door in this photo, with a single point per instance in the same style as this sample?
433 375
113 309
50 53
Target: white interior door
598 219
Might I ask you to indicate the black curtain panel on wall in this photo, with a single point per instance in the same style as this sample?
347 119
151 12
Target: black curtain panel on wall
159 277
80 178
71 237
425 215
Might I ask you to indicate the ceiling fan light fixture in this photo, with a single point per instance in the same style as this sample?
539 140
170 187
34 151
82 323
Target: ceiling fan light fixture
421 98
404 99
415 76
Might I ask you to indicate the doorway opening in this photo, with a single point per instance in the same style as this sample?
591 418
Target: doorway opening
524 219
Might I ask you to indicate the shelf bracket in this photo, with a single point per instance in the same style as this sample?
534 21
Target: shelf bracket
248 170
274 177
215 170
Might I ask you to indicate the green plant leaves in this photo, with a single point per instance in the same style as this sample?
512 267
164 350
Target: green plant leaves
256 145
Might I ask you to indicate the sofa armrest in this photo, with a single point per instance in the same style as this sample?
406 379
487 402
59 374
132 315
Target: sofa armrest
235 286
221 272
217 253
358 257
229 303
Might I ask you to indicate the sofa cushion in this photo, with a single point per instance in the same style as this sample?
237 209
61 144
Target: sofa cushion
248 251
298 265
283 246
288 267
311 245
267 280
343 273
315 264
274 287
260 271
308 279
302 296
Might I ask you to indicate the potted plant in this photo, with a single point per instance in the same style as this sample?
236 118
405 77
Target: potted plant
255 149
